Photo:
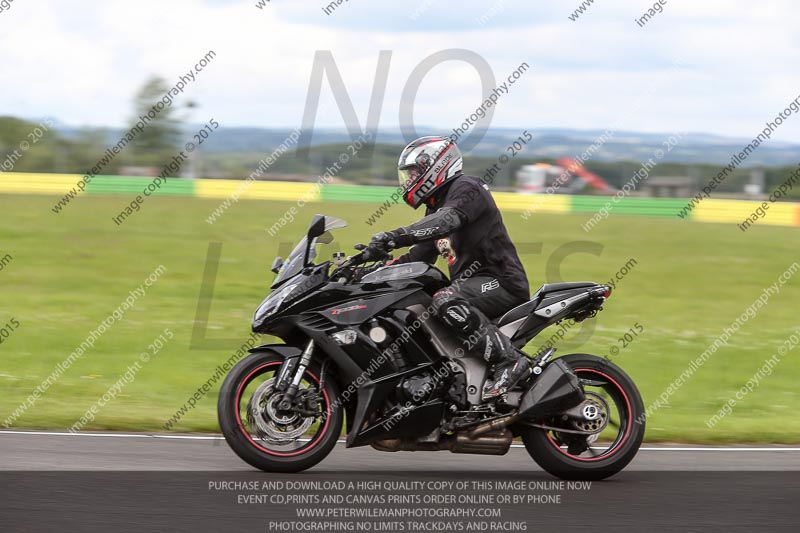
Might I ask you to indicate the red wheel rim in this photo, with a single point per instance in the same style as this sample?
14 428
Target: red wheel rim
249 437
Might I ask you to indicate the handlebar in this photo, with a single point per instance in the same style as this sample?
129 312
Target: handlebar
364 256
367 254
358 259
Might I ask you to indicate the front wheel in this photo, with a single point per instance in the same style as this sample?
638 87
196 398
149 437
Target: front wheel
619 420
267 437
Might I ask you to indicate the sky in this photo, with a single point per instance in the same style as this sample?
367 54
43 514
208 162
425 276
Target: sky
720 67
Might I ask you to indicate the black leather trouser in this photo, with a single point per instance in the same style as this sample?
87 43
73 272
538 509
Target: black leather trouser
467 307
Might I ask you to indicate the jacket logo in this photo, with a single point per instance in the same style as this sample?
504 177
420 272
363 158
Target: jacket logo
490 285
424 231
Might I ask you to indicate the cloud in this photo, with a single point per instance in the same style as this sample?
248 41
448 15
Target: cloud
84 65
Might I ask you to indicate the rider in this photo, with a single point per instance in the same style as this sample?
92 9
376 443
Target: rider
463 224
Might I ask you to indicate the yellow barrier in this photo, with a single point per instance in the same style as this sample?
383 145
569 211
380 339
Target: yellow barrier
24 183
778 214
537 203
257 190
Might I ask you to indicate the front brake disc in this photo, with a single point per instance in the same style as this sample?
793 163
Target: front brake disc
274 426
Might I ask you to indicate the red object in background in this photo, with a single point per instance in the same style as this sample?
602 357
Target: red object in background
589 177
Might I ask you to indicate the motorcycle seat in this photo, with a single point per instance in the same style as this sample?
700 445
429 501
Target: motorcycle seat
555 287
527 308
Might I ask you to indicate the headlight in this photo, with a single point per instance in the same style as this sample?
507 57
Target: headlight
272 303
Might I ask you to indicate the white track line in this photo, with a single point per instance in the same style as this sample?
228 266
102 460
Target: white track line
216 437
118 435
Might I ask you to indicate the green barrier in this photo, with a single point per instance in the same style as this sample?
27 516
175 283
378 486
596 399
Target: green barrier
356 193
659 207
587 204
662 207
135 185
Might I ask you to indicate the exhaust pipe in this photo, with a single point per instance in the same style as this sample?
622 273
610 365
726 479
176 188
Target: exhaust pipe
494 444
555 390
494 425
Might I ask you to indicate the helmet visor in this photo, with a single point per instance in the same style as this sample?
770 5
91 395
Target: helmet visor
407 174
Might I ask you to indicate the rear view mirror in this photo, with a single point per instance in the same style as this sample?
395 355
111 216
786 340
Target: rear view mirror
277 264
317 227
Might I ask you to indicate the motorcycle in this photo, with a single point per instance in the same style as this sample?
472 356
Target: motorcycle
362 348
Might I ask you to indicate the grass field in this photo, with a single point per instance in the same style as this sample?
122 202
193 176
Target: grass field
69 271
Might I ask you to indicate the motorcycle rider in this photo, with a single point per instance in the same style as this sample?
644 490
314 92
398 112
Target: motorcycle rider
464 225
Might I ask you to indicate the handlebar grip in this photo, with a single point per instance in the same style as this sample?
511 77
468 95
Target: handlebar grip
360 257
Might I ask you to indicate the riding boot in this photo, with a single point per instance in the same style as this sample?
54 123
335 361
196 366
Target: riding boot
467 322
510 365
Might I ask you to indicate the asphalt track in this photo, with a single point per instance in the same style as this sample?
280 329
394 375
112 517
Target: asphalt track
136 482
51 451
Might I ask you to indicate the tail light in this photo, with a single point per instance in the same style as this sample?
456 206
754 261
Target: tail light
603 291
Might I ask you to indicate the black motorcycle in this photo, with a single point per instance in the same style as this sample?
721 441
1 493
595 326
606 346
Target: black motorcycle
359 338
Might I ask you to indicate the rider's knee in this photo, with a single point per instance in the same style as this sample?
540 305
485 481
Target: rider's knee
458 314
442 297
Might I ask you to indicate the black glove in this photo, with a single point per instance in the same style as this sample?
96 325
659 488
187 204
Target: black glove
384 240
380 245
399 238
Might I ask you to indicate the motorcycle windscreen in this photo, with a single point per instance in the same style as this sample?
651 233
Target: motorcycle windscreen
294 263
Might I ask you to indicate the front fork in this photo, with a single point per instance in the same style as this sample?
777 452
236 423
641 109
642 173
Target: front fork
290 375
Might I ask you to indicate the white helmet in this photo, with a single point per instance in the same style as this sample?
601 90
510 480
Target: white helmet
425 165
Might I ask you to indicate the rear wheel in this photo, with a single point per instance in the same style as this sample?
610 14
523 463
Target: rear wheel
617 413
267 437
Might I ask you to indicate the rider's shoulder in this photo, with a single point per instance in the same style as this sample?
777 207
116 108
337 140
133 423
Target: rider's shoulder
467 182
467 185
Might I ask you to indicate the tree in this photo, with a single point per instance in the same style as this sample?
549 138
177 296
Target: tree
159 140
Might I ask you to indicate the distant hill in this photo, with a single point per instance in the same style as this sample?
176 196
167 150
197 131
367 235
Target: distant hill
547 143
238 153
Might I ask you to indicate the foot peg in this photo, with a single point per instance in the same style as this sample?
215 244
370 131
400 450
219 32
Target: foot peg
542 359
508 375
